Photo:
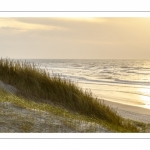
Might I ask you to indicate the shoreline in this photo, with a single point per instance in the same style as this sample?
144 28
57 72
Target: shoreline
130 112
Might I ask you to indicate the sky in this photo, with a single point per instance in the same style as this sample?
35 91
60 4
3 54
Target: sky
75 38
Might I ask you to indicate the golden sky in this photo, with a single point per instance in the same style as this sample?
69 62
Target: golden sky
75 38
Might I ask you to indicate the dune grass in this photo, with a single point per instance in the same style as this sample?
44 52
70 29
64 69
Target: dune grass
22 115
17 121
36 82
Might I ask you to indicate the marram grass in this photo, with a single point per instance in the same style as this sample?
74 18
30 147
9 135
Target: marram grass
37 83
70 119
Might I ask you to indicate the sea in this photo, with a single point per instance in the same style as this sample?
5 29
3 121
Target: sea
121 81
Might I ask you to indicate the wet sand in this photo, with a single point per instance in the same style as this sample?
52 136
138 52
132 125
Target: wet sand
131 112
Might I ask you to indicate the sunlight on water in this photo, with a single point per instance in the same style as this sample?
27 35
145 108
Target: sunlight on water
145 97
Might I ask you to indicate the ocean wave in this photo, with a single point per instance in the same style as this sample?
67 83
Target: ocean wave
132 82
131 72
109 77
98 72
124 67
111 80
106 71
106 80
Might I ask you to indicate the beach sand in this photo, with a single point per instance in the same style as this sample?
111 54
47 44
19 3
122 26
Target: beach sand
15 119
130 112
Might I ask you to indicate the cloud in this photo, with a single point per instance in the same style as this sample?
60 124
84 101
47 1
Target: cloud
9 28
12 23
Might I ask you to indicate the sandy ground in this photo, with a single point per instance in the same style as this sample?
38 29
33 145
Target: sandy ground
8 88
15 119
131 112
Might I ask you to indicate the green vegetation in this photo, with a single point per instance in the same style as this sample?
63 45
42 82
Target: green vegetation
37 84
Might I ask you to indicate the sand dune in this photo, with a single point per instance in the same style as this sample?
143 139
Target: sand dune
126 111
